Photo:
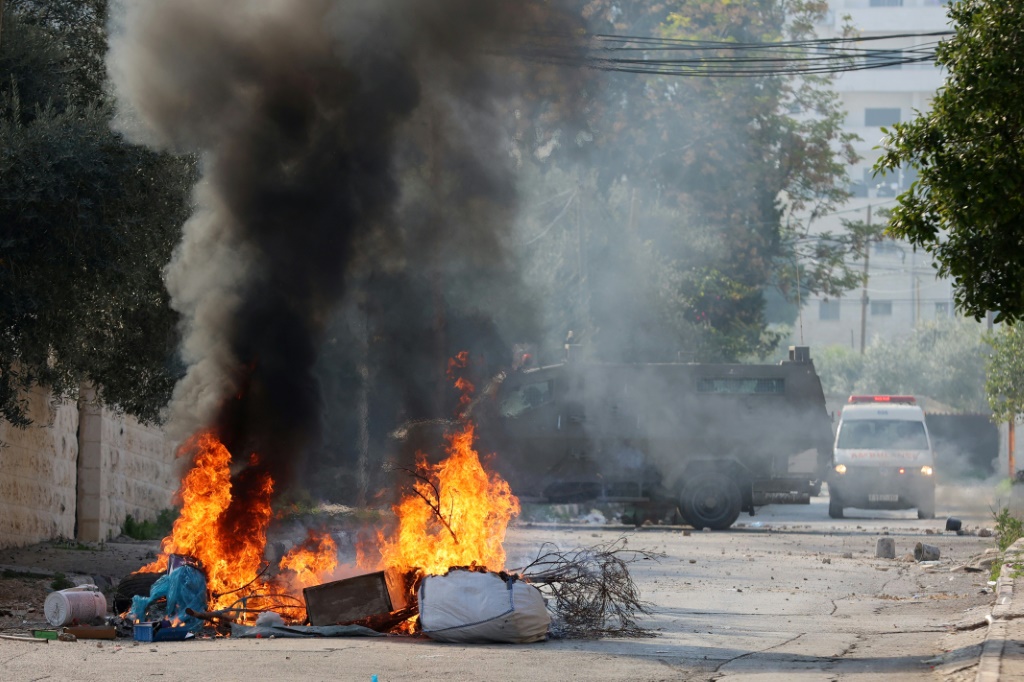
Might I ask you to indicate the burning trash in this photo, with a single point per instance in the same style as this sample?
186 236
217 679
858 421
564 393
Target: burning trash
440 570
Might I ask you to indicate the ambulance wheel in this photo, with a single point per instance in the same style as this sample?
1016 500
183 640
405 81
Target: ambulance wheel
835 505
926 507
711 500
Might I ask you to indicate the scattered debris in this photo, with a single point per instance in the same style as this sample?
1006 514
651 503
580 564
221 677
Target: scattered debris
594 517
923 552
953 524
885 548
31 640
985 533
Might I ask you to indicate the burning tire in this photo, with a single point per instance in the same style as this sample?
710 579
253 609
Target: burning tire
711 500
133 585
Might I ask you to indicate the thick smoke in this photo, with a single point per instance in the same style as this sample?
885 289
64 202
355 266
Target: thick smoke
308 116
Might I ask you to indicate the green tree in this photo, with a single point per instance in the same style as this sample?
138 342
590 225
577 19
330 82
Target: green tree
1004 373
944 361
690 212
87 223
967 206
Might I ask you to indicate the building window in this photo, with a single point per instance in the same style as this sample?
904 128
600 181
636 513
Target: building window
942 309
886 3
881 308
877 117
828 310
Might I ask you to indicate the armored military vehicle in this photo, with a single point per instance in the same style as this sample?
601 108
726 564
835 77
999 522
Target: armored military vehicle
695 440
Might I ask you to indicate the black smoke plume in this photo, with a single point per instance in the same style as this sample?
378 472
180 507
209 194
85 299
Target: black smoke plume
313 120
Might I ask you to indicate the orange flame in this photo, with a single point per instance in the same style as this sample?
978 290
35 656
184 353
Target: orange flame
231 551
456 513
316 557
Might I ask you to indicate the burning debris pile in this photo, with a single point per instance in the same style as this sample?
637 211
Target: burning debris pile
446 543
307 119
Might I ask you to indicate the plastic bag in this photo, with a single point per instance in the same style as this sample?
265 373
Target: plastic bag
184 588
472 606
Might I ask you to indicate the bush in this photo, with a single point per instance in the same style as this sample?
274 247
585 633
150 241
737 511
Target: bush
150 530
61 582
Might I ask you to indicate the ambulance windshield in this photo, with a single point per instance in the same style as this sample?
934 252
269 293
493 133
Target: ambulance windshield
882 434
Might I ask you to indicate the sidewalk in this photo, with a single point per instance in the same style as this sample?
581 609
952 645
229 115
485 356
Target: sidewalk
1002 656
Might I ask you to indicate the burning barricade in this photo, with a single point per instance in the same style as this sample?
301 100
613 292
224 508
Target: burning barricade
439 571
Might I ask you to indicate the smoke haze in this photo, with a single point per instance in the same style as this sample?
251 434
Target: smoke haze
320 126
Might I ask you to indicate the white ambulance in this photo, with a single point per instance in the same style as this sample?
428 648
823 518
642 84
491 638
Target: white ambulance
883 457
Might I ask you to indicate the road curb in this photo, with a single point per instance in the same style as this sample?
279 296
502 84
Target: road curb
990 662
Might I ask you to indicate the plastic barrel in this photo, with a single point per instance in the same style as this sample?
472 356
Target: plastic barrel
67 606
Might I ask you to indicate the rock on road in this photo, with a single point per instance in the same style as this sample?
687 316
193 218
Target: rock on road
789 594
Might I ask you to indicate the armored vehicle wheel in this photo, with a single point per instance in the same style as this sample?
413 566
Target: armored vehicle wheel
835 505
926 507
710 500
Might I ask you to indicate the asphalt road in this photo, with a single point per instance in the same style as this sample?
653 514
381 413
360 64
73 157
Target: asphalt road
792 595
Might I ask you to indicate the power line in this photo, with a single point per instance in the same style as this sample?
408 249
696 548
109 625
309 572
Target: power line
705 58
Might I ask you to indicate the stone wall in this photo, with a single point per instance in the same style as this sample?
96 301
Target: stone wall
38 474
78 471
124 468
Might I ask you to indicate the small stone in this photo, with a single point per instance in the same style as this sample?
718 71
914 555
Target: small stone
686 533
693 561
985 533
826 560
929 531
847 555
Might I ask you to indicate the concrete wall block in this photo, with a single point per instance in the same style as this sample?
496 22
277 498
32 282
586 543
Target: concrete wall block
81 460
37 474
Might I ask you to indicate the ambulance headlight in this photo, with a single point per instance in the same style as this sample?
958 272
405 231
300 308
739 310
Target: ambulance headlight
840 468
927 470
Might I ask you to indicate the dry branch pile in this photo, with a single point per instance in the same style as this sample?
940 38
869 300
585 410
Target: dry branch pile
590 589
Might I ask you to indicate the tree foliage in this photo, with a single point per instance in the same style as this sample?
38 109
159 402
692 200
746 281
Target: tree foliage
967 206
1004 373
684 204
944 361
87 223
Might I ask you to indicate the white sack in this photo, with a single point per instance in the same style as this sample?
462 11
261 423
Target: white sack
468 606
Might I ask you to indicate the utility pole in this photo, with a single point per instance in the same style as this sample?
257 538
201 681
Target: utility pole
866 245
1012 446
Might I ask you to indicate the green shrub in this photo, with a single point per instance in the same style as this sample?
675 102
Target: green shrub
150 530
61 582
1009 529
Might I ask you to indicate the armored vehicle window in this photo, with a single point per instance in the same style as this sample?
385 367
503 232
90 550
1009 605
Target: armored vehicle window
882 434
526 398
736 385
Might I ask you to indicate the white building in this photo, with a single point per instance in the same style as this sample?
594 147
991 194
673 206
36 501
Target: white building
902 287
